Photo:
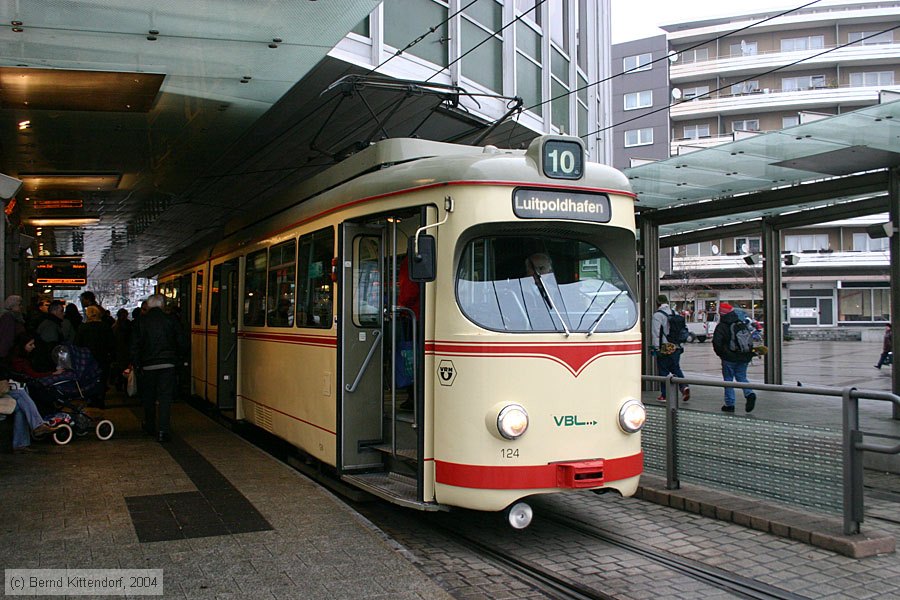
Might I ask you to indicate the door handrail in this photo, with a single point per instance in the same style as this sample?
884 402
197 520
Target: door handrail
362 369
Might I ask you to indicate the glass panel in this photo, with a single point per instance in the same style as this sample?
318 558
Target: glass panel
362 29
881 304
489 14
528 41
403 20
198 299
559 23
528 85
559 65
484 64
367 287
853 305
315 289
524 7
583 128
255 289
282 271
560 106
508 283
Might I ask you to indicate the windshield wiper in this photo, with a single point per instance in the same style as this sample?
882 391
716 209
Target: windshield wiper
540 285
596 323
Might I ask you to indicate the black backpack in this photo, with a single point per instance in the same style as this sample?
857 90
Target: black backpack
678 331
741 338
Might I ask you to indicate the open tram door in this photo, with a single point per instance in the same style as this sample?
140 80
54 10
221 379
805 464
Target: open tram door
381 352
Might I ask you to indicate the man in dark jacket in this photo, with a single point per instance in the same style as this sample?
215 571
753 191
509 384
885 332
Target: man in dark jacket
734 363
157 346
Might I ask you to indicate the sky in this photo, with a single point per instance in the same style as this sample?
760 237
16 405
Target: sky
636 19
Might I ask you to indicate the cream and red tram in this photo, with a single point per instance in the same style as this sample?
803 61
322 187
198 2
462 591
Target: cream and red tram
444 325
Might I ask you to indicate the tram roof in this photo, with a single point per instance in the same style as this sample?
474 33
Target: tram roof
722 185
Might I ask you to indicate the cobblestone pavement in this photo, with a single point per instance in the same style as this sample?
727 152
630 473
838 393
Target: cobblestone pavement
786 564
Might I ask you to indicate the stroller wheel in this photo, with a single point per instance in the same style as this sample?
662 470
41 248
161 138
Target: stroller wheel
105 429
63 435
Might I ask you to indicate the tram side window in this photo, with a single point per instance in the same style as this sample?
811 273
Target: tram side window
198 298
282 283
255 289
214 295
315 288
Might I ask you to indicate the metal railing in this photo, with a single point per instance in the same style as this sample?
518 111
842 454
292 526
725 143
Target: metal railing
853 444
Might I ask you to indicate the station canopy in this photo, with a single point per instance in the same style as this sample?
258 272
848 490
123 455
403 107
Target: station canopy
823 152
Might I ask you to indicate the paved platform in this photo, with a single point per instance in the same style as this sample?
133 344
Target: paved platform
809 363
220 517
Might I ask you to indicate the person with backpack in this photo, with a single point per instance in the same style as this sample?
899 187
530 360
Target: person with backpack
667 333
733 344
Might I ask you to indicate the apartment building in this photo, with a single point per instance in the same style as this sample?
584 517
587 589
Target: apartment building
721 85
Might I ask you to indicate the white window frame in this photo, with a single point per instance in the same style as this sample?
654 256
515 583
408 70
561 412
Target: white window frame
642 99
637 62
809 242
754 244
810 42
694 56
802 82
642 137
886 37
745 87
863 243
871 78
745 125
744 48
693 92
695 132
791 121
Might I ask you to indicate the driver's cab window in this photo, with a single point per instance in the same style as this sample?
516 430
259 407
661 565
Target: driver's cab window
367 283
541 283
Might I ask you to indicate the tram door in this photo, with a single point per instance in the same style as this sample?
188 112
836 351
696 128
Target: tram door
361 348
226 375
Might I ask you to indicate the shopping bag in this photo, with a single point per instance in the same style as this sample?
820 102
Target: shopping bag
131 385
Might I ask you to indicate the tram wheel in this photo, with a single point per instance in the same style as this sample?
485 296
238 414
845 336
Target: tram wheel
519 515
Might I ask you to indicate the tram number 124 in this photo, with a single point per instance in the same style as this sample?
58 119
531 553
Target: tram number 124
509 452
563 159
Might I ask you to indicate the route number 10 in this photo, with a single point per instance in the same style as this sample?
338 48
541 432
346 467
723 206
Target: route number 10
563 159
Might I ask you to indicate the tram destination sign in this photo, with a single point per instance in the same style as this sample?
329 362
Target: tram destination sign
560 204
61 274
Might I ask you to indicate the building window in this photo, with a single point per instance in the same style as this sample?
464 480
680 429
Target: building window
813 42
638 62
745 125
872 38
790 121
695 55
639 100
745 87
198 299
559 23
700 249
864 305
748 245
282 283
693 132
639 137
809 82
872 79
527 5
810 243
863 243
744 48
694 92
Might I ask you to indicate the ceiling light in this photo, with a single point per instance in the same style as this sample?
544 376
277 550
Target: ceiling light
24 125
62 221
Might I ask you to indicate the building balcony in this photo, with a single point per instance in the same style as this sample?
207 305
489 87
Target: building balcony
683 266
734 66
772 99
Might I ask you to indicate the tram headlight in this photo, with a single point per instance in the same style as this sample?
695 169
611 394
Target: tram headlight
512 421
632 415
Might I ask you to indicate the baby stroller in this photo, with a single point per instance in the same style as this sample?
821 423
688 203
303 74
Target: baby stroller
72 391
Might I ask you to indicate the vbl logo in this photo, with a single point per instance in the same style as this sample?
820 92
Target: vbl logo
571 421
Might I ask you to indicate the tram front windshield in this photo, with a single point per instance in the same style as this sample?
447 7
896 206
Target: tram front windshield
540 283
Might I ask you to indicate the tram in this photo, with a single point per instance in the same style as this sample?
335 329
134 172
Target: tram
444 325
